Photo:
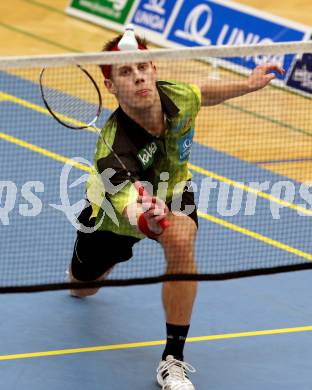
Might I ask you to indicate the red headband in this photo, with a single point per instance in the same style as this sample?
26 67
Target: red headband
106 69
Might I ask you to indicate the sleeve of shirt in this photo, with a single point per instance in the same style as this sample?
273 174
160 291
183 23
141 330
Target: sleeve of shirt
118 187
197 95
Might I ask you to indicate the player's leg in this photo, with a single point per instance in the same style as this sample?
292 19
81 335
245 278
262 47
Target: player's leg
95 254
178 297
78 271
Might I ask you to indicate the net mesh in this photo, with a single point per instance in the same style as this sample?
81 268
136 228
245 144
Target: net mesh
251 165
73 104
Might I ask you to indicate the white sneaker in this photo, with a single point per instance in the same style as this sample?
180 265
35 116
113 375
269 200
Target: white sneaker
172 374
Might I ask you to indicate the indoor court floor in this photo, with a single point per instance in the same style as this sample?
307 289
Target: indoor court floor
252 333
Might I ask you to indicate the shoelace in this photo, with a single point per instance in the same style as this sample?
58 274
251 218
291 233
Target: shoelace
177 369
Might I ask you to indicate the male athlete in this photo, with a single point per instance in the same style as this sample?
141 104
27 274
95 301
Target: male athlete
151 132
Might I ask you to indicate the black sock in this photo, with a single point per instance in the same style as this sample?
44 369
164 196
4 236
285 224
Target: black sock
176 335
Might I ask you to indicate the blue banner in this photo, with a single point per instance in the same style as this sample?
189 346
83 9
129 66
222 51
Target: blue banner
301 75
153 14
204 22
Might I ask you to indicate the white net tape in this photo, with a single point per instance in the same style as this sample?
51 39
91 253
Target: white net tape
156 54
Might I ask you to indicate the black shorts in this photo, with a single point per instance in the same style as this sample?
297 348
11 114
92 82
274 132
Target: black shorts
95 253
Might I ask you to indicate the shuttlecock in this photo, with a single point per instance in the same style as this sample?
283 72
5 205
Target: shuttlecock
128 40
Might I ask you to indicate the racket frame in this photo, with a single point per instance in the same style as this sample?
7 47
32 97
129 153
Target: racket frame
99 109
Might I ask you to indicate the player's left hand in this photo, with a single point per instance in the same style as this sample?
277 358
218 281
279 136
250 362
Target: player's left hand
262 75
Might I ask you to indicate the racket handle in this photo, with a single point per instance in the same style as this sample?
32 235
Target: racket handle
164 223
141 190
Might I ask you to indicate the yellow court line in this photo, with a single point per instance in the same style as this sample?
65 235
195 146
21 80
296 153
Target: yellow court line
219 221
36 107
195 168
43 151
249 189
256 236
225 336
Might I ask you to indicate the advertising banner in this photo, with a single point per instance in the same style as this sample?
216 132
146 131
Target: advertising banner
113 10
301 75
154 14
187 23
206 22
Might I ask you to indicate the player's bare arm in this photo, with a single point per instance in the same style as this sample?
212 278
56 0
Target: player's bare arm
215 91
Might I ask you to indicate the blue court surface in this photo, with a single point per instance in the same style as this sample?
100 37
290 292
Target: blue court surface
252 333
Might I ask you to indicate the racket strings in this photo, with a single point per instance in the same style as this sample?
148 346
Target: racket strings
77 103
71 96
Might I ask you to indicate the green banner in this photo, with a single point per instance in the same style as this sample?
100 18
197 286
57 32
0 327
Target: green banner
114 10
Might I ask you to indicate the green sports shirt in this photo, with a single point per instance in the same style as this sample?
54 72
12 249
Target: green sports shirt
153 159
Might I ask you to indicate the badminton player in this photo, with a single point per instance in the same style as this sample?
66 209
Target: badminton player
152 133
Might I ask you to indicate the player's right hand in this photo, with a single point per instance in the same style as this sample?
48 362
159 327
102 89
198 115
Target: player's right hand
154 212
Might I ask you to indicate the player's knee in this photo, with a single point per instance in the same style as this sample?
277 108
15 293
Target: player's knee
178 244
180 256
181 264
84 292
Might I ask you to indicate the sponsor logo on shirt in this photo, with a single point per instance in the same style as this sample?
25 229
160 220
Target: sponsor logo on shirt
146 155
185 144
